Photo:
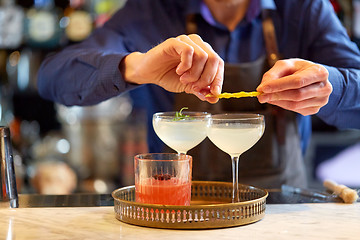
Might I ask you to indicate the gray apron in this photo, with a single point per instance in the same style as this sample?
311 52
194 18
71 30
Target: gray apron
276 158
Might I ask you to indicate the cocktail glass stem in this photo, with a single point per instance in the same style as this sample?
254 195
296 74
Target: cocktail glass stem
235 176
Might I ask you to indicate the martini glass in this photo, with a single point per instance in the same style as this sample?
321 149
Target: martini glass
181 133
234 134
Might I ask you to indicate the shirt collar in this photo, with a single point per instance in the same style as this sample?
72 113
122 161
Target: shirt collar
256 6
254 10
268 4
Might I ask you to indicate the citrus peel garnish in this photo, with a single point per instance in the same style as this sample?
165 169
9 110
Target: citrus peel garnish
235 95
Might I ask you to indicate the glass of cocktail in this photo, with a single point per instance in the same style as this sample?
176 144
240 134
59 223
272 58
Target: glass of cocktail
163 178
234 134
183 131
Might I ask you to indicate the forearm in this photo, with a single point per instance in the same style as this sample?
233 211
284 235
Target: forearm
343 108
129 69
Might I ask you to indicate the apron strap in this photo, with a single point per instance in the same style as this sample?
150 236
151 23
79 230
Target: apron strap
191 24
273 55
270 38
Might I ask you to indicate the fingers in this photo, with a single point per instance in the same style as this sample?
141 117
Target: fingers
296 85
218 80
192 71
305 101
182 49
211 65
291 74
181 64
301 94
215 88
306 107
206 70
280 69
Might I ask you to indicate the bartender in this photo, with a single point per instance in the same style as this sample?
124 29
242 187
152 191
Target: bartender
172 53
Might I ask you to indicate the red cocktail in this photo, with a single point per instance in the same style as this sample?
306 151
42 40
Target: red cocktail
163 179
167 192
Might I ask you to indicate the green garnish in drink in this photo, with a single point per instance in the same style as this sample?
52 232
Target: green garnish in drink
180 116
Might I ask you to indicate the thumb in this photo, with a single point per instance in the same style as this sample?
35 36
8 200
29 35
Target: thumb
280 69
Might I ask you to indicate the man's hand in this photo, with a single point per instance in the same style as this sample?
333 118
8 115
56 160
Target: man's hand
297 85
181 64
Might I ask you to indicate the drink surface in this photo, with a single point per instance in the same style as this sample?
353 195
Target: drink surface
180 135
167 192
235 139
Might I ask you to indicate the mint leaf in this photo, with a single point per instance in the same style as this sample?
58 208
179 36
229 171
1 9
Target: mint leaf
179 115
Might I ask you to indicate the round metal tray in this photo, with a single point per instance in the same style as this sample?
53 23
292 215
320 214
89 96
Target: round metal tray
210 207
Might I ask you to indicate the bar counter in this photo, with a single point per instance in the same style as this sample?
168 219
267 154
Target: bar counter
332 220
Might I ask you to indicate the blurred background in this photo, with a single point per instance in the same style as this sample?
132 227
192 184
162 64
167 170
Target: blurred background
59 150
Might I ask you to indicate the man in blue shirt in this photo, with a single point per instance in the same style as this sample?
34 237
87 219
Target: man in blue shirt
143 44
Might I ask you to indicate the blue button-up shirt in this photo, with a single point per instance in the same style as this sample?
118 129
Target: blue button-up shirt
87 73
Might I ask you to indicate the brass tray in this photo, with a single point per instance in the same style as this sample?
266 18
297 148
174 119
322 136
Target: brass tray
210 207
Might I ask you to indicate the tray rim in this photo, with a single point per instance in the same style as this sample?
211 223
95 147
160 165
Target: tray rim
224 221
215 205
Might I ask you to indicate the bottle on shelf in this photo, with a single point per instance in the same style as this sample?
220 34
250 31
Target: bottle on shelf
104 9
42 26
11 25
78 21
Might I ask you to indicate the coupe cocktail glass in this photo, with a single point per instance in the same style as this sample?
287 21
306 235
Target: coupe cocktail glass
163 178
181 134
234 134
